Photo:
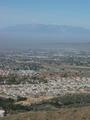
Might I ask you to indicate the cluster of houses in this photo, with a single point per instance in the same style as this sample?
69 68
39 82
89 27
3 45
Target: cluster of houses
4 72
53 87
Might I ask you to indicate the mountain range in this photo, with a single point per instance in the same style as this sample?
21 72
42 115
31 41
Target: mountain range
25 34
43 28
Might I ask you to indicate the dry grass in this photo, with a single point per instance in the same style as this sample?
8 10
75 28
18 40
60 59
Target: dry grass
38 100
80 113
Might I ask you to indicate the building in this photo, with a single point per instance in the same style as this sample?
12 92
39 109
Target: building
2 112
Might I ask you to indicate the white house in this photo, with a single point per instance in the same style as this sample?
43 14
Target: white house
2 113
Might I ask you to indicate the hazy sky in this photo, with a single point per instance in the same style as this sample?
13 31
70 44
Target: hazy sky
63 12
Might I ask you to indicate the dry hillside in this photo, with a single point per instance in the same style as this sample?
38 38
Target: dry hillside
80 113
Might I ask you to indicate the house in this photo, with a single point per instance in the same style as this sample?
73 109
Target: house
2 112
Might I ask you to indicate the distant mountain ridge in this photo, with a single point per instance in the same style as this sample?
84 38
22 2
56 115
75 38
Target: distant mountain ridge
28 35
43 28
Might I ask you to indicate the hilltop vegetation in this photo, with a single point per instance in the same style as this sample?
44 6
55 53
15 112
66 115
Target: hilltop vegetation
44 103
81 113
